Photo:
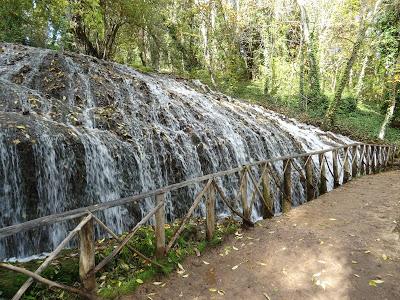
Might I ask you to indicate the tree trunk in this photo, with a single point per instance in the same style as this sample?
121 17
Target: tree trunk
344 79
394 94
331 112
360 82
315 89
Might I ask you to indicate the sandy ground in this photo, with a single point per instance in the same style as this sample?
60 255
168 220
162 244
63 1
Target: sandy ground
330 248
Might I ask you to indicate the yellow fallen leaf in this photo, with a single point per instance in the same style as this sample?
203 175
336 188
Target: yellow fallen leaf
234 248
157 282
140 281
235 267
185 276
354 262
367 251
180 266
384 257
374 282
221 292
332 219
261 263
20 127
212 290
356 275
205 262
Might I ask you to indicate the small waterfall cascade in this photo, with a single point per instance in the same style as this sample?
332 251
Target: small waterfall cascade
76 131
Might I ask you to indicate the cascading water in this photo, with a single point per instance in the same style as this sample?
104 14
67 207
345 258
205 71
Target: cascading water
75 131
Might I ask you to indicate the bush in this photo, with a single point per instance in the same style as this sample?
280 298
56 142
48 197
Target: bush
348 105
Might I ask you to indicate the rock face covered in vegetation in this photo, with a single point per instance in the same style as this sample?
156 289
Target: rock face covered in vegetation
75 130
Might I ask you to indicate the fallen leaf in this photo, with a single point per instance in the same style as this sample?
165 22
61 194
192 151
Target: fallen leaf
221 292
332 219
374 282
205 262
266 296
384 257
212 290
367 251
261 263
140 281
185 276
354 262
157 282
234 248
235 267
180 266
356 275
16 141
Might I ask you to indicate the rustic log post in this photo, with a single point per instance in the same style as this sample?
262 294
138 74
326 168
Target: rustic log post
387 152
309 178
346 166
243 192
160 226
373 149
378 159
336 181
87 256
210 211
268 202
354 165
393 154
287 185
322 183
362 159
367 159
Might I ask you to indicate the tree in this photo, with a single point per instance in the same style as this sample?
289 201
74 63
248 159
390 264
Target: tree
344 79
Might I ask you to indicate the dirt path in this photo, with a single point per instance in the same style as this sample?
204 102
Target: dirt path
329 248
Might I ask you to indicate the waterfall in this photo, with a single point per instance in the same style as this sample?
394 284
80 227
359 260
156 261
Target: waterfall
75 131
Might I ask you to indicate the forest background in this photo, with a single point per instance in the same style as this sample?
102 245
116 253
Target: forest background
332 63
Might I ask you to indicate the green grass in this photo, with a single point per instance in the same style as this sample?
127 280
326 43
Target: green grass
362 124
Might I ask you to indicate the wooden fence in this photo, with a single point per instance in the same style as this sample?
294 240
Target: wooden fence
357 159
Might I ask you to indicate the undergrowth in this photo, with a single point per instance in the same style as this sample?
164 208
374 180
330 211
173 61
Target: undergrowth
127 271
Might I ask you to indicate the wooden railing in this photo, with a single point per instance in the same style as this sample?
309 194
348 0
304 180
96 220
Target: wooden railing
357 159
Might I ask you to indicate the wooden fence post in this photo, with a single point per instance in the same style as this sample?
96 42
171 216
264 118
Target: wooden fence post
322 184
367 159
335 164
268 202
373 160
160 226
287 185
346 166
394 154
87 257
309 178
243 191
210 210
387 149
362 159
354 165
378 159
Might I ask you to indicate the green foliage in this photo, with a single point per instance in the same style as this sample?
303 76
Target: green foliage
127 271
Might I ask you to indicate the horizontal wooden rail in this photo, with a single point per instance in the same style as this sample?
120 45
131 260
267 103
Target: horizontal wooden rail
345 163
79 212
